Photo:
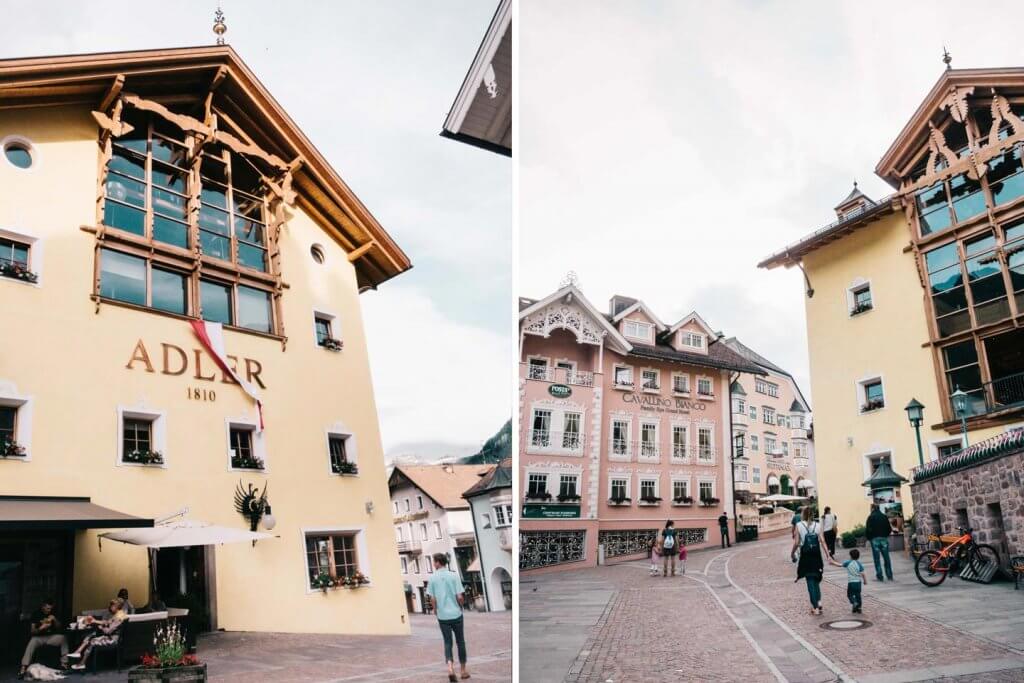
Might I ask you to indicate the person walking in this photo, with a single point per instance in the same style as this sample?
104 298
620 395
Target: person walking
723 526
794 521
855 579
877 530
830 527
811 566
669 547
446 592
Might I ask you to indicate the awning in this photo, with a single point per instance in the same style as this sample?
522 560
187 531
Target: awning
782 498
61 513
474 566
772 480
805 484
184 533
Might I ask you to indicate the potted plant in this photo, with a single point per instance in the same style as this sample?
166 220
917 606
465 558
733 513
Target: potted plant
619 500
354 580
709 502
145 457
683 500
332 344
650 500
538 495
568 497
861 308
17 271
344 467
873 404
323 581
170 660
246 462
11 449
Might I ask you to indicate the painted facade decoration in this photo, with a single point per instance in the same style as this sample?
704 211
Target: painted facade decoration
641 436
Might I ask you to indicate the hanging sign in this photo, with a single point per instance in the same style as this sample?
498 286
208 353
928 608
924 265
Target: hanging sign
560 390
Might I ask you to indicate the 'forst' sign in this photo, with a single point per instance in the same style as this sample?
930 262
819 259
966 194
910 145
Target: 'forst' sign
560 390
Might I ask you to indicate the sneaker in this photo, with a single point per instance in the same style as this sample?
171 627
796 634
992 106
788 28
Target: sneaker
78 667
74 655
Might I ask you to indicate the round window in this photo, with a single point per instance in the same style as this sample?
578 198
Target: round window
18 154
317 252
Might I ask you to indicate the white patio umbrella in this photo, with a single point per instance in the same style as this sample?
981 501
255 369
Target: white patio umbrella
183 533
782 498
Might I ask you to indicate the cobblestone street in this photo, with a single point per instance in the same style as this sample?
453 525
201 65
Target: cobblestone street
320 658
738 615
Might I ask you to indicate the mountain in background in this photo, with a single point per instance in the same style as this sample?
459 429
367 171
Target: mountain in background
495 449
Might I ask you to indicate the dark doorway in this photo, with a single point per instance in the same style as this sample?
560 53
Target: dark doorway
33 567
996 533
471 581
423 599
181 579
1005 354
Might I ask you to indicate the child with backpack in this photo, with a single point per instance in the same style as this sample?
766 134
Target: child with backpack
855 579
810 567
682 554
655 553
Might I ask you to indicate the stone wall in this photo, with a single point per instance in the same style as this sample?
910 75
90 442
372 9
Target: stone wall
988 497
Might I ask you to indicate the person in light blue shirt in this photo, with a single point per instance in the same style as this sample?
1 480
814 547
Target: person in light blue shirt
445 591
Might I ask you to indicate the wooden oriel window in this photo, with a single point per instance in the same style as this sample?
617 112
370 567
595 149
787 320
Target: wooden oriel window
334 555
184 228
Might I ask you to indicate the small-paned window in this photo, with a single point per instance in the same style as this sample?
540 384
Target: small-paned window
704 386
537 485
623 376
946 283
254 309
170 291
637 330
338 454
620 489
650 379
323 330
215 299
242 454
707 490
874 396
8 426
963 372
123 277
333 556
985 276
567 485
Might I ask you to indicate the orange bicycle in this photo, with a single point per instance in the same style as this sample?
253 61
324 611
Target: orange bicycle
932 566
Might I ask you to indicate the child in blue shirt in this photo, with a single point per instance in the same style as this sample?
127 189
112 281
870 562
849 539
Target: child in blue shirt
854 578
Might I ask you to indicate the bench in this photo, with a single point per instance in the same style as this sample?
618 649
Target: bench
135 638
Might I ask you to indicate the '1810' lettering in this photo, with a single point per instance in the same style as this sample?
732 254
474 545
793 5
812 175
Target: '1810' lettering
201 394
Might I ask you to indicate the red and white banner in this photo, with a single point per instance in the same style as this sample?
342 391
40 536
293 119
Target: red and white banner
212 337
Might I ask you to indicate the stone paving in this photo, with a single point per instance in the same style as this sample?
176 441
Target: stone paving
287 657
739 615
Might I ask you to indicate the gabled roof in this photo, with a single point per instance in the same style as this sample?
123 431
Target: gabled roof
854 197
748 353
1009 81
572 294
640 306
695 317
183 77
443 484
718 356
500 477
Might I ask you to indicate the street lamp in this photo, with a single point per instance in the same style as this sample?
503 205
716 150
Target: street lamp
915 413
737 454
959 398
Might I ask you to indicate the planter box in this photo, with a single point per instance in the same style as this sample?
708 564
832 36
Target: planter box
177 674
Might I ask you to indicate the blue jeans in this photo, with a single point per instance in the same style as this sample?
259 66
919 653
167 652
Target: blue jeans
814 590
853 593
880 547
450 628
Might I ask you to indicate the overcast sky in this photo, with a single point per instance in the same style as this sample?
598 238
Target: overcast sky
370 84
665 148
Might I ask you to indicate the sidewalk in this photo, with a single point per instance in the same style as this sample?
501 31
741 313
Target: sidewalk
286 657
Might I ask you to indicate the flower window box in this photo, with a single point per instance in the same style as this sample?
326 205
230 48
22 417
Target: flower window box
650 500
709 502
545 496
620 500
682 501
568 498
861 308
144 457
11 449
246 462
345 468
325 581
872 405
332 344
17 271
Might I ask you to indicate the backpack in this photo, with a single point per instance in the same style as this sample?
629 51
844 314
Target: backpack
670 540
810 542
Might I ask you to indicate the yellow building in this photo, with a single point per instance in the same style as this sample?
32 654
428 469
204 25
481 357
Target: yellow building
921 294
141 192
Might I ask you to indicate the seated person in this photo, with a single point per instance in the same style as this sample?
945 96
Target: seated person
105 634
155 604
129 608
46 630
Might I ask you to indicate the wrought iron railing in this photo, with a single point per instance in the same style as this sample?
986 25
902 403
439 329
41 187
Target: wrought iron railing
999 394
545 439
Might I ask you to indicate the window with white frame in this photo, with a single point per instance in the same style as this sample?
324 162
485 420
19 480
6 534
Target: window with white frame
437 530
400 533
872 395
704 386
757 474
623 376
742 473
405 565
649 439
753 442
768 415
430 565
859 299
620 437
753 412
648 489
537 368
635 329
649 379
419 502
782 420
760 386
681 383
540 434
692 340
769 445
143 437
324 331
341 454
705 443
394 504
246 446
619 488
706 489
334 554
773 390
680 489
741 407
424 534
796 421
537 485
680 439
785 448
502 516
571 430
568 485
19 257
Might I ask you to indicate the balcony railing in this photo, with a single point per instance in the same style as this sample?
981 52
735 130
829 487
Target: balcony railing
621 449
411 547
564 375
680 451
549 441
705 455
801 463
648 452
999 394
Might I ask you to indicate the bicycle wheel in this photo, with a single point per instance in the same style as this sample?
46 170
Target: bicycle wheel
931 568
982 554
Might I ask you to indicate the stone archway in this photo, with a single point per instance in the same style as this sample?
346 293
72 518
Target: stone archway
501 597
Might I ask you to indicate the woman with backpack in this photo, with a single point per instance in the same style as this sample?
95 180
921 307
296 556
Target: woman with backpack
668 547
811 566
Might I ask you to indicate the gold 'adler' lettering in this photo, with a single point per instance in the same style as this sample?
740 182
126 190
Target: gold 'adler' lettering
183 357
199 368
140 354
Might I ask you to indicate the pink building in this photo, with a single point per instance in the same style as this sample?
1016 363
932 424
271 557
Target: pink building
625 422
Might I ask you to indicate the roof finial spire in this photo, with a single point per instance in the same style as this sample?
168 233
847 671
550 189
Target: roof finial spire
219 27
947 58
855 183
570 279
